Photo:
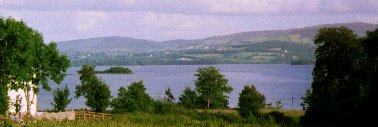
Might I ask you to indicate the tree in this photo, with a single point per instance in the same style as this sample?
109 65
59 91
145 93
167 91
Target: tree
4 99
61 98
134 99
26 61
188 98
212 87
95 90
336 87
370 50
250 101
168 95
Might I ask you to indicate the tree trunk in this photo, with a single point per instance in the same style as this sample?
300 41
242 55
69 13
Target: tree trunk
208 103
27 98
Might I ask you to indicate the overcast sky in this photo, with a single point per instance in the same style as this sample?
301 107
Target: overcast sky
160 20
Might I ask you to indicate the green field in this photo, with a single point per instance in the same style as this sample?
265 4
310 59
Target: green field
180 117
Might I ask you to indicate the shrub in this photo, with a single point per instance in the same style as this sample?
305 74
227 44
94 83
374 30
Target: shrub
188 98
61 99
163 107
133 99
250 101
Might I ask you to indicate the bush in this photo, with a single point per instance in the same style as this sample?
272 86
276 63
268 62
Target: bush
163 107
188 98
280 118
61 99
134 99
250 101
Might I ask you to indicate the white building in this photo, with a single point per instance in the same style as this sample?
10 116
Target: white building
18 96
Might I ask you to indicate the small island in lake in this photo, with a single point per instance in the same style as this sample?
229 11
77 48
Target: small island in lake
116 70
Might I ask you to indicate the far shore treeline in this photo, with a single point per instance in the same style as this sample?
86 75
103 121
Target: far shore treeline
343 90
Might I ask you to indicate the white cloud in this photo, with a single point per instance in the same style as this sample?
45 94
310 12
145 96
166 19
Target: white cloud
87 21
263 6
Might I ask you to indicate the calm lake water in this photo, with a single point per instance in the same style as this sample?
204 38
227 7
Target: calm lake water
276 81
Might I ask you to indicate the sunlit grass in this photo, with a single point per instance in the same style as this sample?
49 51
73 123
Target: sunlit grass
178 118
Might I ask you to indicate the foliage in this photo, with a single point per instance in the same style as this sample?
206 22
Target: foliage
117 70
370 50
211 87
4 99
341 78
26 58
133 99
95 90
250 101
169 96
163 107
61 98
188 98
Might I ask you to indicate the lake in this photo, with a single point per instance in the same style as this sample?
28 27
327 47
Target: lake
276 81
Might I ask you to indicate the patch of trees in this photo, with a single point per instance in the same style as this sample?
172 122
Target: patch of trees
344 87
116 70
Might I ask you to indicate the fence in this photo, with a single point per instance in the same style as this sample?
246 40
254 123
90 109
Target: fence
91 115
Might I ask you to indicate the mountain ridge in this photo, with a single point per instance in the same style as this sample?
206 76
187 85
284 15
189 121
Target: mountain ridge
302 35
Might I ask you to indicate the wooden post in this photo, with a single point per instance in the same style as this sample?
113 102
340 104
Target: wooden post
292 103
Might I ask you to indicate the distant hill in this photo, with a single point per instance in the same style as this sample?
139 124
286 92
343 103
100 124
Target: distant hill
297 35
112 44
292 46
115 43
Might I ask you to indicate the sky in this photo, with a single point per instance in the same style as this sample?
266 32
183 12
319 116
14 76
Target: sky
161 20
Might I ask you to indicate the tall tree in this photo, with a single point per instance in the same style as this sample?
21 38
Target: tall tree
370 50
95 90
26 61
212 88
336 86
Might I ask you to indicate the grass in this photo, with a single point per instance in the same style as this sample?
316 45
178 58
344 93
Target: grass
179 117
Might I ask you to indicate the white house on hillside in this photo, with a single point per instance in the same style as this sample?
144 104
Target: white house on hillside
18 97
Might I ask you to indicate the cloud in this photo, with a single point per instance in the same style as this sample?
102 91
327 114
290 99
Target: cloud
263 6
200 7
60 20
87 21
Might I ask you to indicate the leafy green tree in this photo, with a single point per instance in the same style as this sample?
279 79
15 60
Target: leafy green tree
370 50
95 90
250 101
212 87
336 87
61 98
134 99
188 98
168 95
25 59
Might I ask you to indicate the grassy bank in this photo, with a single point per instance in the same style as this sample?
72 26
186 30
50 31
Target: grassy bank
181 117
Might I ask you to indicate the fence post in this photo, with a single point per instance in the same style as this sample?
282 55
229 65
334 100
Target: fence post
292 103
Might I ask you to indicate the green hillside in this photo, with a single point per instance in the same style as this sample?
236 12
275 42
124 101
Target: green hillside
293 46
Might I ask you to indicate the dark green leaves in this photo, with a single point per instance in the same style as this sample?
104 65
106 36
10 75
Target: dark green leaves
95 90
212 87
